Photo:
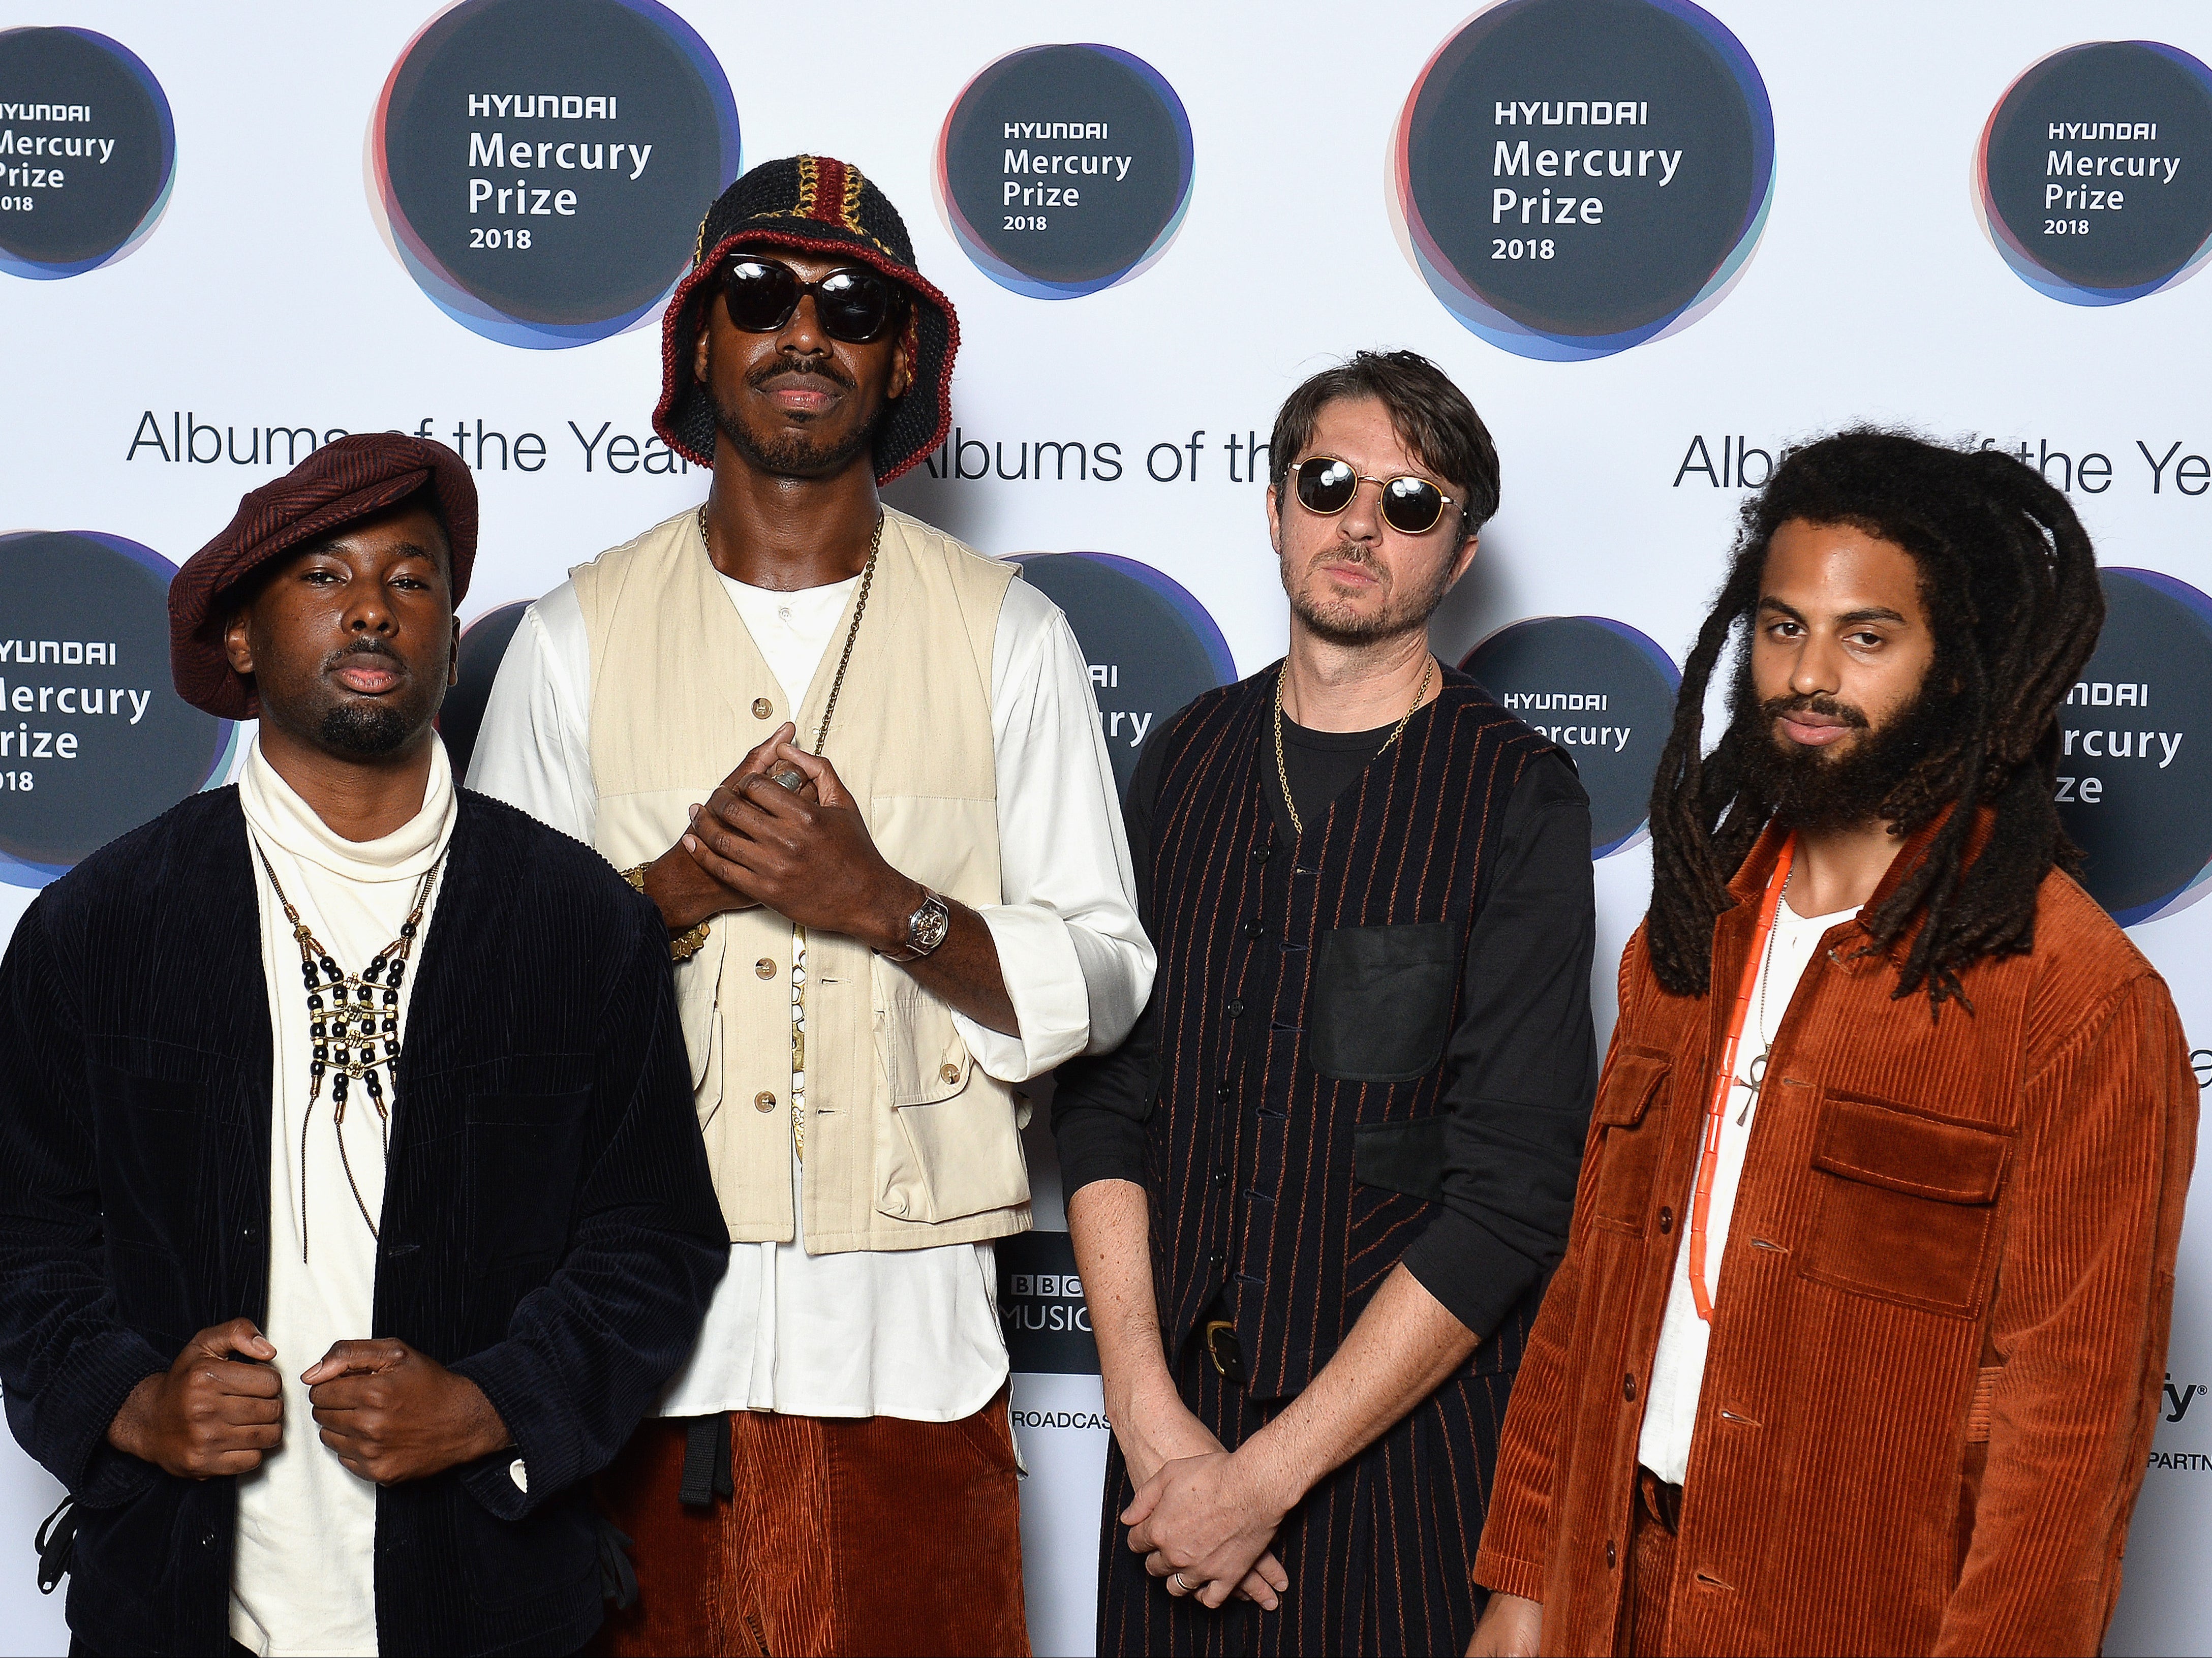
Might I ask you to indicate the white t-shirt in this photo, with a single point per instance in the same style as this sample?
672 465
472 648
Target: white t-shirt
910 1333
1678 1371
303 1577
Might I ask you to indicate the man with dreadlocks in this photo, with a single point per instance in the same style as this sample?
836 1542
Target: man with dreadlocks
1857 1343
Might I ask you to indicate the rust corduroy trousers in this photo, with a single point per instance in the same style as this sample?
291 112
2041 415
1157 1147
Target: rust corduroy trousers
874 1535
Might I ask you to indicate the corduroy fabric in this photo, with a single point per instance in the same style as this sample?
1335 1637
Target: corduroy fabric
1377 1554
1249 1149
1651 1581
548 1230
1941 1319
356 477
843 1537
816 204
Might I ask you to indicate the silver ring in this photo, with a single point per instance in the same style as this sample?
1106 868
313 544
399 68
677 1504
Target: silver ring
1187 1588
791 779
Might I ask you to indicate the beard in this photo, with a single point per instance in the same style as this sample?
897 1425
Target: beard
1340 624
795 452
368 731
1819 789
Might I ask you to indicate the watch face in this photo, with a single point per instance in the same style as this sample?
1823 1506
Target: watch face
926 926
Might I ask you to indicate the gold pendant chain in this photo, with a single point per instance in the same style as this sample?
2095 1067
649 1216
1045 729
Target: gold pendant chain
821 737
359 1025
1283 772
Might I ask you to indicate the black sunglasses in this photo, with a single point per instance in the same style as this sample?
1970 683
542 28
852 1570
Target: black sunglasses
855 306
1412 506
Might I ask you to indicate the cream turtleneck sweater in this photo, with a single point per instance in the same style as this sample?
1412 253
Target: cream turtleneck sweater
303 1579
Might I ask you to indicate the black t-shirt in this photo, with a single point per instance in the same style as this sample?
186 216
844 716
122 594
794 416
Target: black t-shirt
1522 1058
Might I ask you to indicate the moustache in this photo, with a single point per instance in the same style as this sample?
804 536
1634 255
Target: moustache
1346 551
364 645
1826 707
805 368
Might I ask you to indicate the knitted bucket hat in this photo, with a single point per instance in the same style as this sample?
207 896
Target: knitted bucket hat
822 206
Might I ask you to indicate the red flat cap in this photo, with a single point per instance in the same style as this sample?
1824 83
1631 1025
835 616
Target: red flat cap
354 478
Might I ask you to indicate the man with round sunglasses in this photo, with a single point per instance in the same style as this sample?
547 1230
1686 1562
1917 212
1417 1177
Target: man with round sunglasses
858 769
1316 1196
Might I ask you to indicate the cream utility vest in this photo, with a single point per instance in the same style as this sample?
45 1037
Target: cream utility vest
909 1144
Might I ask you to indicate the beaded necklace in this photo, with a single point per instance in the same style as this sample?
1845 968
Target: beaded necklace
359 1026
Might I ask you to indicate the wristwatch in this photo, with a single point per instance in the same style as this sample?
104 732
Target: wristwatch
925 929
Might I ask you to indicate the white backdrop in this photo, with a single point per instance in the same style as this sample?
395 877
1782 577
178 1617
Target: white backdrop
265 294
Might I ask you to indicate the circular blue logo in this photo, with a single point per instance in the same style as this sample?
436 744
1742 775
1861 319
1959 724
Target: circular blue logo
94 738
1149 645
1604 693
87 152
1575 177
1063 170
540 167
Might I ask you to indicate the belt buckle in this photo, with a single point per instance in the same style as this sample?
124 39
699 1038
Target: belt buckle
1224 1349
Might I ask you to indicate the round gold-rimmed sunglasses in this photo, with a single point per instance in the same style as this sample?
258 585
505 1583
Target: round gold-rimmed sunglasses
1325 485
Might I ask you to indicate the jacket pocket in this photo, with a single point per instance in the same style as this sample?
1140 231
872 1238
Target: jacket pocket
1629 1137
1904 1204
523 1152
1401 1157
955 1155
1383 1001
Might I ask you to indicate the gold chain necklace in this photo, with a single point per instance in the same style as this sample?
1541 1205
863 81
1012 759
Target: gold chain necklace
358 1025
793 780
1283 772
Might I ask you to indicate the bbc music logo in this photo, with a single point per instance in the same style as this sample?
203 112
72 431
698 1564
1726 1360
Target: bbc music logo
87 152
1572 177
93 739
1041 1306
540 167
1604 693
2094 177
1065 169
1149 645
2134 763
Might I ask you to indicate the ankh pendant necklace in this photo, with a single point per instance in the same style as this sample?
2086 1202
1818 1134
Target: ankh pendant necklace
346 1036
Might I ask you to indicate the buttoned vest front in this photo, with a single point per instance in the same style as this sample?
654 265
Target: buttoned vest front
909 1144
1307 993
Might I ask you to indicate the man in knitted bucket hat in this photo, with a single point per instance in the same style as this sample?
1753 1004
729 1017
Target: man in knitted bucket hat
934 908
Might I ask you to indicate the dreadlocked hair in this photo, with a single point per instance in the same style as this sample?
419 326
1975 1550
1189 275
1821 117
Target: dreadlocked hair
2009 580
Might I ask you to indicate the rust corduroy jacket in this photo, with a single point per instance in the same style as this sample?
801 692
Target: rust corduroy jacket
1942 1311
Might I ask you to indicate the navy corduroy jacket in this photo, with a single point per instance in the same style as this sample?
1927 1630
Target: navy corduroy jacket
550 1229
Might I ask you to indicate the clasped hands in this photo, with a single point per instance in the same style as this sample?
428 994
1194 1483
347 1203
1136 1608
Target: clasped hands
1201 1511
389 1413
806 853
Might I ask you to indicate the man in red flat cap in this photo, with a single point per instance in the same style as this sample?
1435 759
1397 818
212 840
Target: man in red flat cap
935 909
351 1207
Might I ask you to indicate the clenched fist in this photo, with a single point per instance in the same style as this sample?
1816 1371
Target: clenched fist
393 1414
210 1413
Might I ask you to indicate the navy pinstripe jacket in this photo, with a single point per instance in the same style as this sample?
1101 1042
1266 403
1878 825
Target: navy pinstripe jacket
1306 994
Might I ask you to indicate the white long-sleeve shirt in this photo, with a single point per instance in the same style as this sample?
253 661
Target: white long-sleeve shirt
910 1333
303 1573
1678 1371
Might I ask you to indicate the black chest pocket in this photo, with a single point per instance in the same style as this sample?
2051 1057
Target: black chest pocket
1383 1001
523 1151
